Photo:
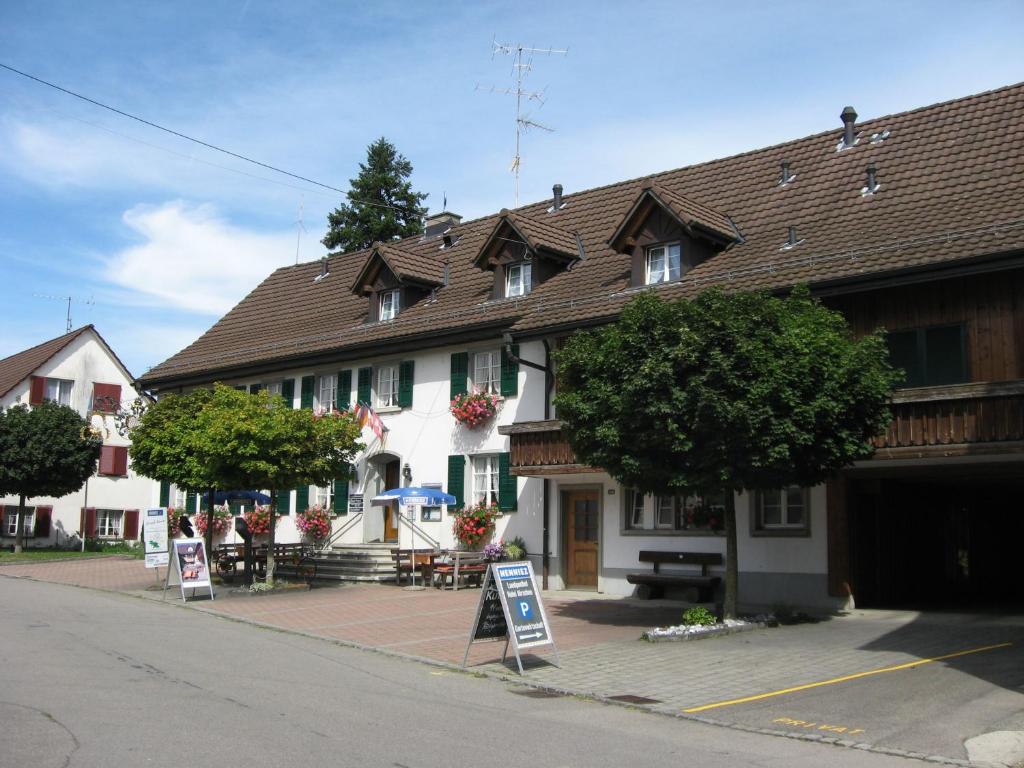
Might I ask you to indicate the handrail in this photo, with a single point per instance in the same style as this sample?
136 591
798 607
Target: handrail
416 529
349 524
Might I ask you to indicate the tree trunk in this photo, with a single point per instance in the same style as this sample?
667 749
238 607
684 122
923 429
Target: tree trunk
272 526
209 521
732 572
19 535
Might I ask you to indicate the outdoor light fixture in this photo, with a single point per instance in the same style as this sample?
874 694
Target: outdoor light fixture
407 472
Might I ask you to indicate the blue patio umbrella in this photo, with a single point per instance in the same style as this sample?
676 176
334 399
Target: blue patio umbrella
223 497
426 497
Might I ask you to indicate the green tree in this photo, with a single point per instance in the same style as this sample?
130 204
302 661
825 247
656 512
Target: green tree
381 204
259 441
725 392
46 451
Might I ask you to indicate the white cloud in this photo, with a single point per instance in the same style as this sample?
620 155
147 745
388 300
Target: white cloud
192 259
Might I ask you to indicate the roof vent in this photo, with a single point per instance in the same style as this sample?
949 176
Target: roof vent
325 270
849 118
556 202
439 223
447 269
786 176
791 240
878 138
872 184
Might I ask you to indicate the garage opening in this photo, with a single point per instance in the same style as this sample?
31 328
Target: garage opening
937 540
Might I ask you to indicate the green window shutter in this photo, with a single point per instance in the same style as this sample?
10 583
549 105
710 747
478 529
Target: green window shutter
457 479
343 400
365 386
306 398
510 373
508 485
341 496
405 377
284 501
288 392
460 374
302 499
190 503
165 493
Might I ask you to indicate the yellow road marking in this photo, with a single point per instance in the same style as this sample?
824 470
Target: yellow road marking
844 678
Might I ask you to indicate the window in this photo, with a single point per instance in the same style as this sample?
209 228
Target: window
106 398
325 496
114 460
518 278
11 521
387 386
431 514
58 390
108 523
389 305
179 498
782 510
274 388
485 479
634 510
328 391
487 372
930 356
662 263
702 513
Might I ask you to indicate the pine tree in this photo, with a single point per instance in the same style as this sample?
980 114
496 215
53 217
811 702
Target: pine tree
381 204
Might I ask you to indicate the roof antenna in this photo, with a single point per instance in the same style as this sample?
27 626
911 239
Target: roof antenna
520 69
68 299
299 228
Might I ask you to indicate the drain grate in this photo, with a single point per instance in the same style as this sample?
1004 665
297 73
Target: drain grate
629 698
536 693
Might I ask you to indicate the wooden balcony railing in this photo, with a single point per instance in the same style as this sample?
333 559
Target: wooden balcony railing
540 448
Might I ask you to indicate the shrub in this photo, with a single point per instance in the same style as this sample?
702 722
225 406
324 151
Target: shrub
496 551
516 549
699 616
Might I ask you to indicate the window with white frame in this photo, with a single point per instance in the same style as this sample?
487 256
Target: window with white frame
389 305
58 390
274 388
783 510
108 523
634 509
518 278
699 513
11 521
485 479
387 386
431 513
487 372
179 498
327 392
325 496
663 263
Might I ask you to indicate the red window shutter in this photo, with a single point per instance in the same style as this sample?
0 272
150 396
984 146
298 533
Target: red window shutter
37 390
87 525
121 460
42 526
107 460
106 398
131 524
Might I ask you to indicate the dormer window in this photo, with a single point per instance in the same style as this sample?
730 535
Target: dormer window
663 263
518 279
389 305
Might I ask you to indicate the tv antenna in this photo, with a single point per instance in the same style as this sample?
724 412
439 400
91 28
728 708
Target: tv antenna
300 227
68 299
522 65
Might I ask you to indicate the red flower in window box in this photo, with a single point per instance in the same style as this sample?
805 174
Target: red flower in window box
474 525
474 408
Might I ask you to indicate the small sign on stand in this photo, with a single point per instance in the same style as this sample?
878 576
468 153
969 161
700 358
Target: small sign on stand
191 567
154 537
510 608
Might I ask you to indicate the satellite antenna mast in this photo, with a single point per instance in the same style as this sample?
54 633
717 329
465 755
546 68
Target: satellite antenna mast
520 69
68 299
300 227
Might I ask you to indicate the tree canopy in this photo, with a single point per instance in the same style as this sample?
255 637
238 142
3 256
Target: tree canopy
724 392
381 203
165 444
47 450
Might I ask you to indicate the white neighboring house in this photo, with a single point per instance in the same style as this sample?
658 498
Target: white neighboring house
80 370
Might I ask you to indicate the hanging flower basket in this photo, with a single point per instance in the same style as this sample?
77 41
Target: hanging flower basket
222 519
474 525
474 408
258 520
314 523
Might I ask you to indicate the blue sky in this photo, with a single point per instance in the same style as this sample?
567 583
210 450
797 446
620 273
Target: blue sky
164 236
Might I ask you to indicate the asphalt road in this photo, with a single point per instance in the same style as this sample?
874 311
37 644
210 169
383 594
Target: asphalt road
99 679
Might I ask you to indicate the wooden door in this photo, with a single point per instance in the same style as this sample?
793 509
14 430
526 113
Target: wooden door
391 511
581 539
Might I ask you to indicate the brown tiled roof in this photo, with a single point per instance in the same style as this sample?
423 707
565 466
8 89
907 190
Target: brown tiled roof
689 213
421 267
952 190
19 366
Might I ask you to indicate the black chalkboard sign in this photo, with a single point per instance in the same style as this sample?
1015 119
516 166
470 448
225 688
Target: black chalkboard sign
490 616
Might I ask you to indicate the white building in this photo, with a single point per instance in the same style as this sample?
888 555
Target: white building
79 370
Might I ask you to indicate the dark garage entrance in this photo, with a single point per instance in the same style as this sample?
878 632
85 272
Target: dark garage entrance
937 539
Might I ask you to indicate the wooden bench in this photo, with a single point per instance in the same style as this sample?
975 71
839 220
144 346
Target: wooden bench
422 560
653 583
460 565
228 556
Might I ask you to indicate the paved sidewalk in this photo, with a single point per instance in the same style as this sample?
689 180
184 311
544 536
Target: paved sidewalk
602 656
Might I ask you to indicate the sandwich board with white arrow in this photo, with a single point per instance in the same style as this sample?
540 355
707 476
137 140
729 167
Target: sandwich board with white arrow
511 608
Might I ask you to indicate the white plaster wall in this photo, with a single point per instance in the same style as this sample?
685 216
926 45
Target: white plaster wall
86 361
784 554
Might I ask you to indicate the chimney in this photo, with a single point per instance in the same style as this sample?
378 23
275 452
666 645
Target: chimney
791 240
786 177
849 118
325 270
872 182
439 223
556 192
